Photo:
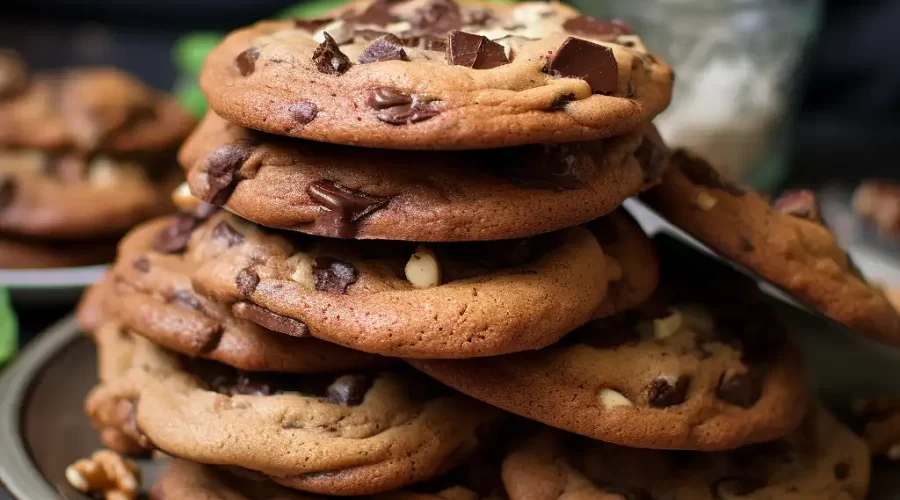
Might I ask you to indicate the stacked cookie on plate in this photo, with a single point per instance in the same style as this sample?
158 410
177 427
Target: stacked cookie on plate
314 330
84 156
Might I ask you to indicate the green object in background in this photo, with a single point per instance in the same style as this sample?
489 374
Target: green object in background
9 329
313 8
188 93
190 51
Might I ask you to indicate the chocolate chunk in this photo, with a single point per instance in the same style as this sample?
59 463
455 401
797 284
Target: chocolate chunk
801 203
741 389
553 167
841 471
591 62
703 174
222 170
303 112
329 59
312 25
397 108
474 51
426 42
560 102
586 25
246 61
175 237
224 231
342 208
349 390
333 276
628 493
13 74
270 320
247 280
184 298
7 192
386 48
653 156
727 488
141 264
437 17
662 394
378 13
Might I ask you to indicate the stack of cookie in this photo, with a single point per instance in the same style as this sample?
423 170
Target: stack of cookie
288 336
84 156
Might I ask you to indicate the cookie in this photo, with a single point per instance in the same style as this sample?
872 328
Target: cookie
56 196
786 244
415 196
437 74
89 110
821 460
347 434
182 479
880 419
25 253
702 366
452 300
150 293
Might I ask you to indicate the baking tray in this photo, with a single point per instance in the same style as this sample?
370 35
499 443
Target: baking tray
43 428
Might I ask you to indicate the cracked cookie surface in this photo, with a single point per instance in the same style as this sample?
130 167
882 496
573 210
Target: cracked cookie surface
438 74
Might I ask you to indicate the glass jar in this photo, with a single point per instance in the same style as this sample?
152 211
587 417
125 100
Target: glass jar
737 67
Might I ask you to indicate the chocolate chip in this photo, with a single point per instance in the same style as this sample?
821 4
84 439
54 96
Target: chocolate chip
378 13
801 203
841 471
7 192
184 298
175 237
329 59
475 51
652 155
270 320
349 390
312 25
437 17
222 170
628 493
342 208
303 112
591 62
333 276
559 102
729 487
224 231
662 394
246 61
586 25
702 173
742 389
141 264
386 48
397 108
247 280
426 42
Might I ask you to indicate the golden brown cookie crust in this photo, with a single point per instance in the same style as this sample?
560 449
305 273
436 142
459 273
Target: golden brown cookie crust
798 255
513 104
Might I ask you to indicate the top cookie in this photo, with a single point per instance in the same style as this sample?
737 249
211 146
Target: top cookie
88 110
437 74
786 243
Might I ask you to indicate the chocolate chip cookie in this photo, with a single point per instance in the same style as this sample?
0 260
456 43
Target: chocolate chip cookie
437 74
822 460
786 243
702 366
98 109
448 300
150 293
47 195
346 192
346 434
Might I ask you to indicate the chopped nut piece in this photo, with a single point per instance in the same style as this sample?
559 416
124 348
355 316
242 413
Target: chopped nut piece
106 473
423 270
705 200
613 399
664 328
303 269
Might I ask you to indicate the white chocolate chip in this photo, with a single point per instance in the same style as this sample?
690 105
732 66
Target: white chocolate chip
613 399
613 269
532 13
705 200
341 31
422 269
102 172
303 272
893 452
183 199
664 328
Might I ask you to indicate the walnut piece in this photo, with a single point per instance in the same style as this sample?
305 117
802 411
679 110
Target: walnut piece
107 473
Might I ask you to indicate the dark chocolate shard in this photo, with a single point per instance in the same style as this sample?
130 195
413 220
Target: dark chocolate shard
223 231
397 108
303 112
246 61
332 275
270 320
662 393
342 208
329 59
349 390
175 237
586 25
386 48
591 62
222 170
475 51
